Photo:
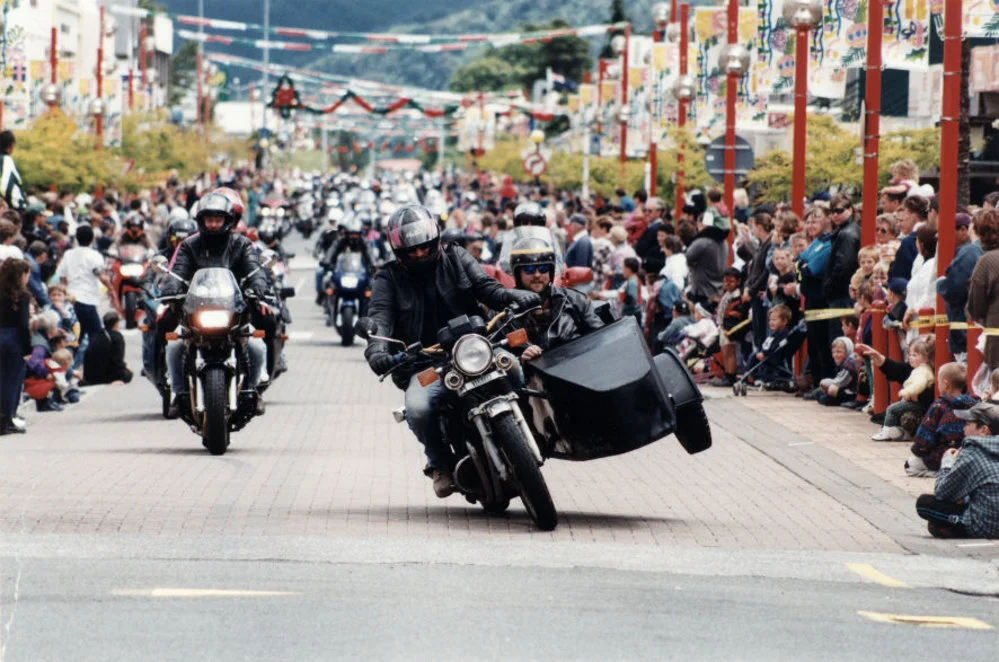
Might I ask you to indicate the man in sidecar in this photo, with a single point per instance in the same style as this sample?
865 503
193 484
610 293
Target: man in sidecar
565 314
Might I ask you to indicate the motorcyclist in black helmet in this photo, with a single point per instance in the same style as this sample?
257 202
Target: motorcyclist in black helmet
216 245
177 231
565 314
353 241
133 231
412 298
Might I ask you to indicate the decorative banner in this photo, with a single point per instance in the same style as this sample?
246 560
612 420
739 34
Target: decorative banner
906 34
711 30
926 92
984 69
981 17
477 129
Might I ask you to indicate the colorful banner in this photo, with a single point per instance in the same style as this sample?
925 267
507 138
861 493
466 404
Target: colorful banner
981 17
711 30
984 75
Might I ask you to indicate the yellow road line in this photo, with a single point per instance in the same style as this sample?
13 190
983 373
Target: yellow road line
199 593
868 571
928 621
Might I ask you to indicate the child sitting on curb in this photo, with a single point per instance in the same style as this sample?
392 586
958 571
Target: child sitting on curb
843 387
917 386
965 499
941 429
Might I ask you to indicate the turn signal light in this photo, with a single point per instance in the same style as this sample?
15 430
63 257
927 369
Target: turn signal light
259 333
517 338
172 335
428 377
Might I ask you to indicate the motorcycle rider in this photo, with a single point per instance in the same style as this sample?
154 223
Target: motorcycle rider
525 214
353 241
179 228
565 314
412 298
215 245
133 232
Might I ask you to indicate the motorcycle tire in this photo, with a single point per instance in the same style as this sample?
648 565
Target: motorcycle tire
330 310
531 483
130 307
165 397
215 428
347 334
497 507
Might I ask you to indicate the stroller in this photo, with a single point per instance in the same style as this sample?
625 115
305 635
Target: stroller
775 371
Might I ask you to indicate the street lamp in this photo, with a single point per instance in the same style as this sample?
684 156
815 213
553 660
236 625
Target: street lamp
802 16
50 95
660 15
683 88
672 33
618 43
734 59
537 137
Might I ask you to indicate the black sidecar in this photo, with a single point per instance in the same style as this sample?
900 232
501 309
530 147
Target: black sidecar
606 395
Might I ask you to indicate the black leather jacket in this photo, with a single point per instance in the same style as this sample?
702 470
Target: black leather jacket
842 262
238 255
397 304
571 315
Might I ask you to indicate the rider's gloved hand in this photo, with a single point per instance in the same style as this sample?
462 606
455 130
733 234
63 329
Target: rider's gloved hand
381 362
525 299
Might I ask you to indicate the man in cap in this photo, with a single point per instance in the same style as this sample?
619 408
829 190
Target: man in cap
580 252
965 502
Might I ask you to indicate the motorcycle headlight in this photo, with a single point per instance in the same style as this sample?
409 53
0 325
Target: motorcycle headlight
213 319
131 270
473 355
348 282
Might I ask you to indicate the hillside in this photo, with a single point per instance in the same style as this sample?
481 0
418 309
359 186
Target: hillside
417 16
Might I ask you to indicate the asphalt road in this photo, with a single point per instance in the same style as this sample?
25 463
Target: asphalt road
317 538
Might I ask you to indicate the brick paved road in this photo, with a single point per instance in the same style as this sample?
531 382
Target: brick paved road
327 458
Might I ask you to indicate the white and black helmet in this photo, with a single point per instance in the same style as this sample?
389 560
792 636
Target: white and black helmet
411 227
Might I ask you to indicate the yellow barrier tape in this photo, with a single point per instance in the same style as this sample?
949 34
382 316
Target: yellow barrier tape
828 314
924 322
960 326
740 325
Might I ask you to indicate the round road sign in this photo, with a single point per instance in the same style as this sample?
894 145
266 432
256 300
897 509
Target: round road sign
535 164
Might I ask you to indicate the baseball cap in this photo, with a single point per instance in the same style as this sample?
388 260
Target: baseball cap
898 285
962 220
984 413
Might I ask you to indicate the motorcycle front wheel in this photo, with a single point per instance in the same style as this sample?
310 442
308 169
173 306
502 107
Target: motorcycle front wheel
131 306
347 332
215 428
531 483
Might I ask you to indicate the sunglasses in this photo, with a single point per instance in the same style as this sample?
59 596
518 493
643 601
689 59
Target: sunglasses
882 230
532 269
836 210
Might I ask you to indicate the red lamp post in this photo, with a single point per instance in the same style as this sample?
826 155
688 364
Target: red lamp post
803 16
684 90
619 44
97 106
660 19
872 121
949 134
734 61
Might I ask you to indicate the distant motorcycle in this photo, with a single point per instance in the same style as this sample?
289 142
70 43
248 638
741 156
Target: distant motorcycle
129 263
347 295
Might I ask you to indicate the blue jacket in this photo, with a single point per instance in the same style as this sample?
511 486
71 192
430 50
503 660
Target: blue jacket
811 266
953 287
580 253
901 267
35 285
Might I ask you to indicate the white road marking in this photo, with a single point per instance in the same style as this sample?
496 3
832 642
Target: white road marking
199 593
801 443
301 335
978 544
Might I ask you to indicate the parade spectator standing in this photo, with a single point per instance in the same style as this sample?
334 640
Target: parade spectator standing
38 254
10 179
912 212
602 249
675 267
983 289
843 260
15 338
82 269
706 257
811 268
758 277
953 287
8 234
580 252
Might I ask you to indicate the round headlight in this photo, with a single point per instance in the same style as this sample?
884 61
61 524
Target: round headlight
213 319
348 282
131 270
473 355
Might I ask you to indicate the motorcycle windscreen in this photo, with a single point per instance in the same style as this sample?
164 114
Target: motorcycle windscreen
606 393
214 288
132 252
349 263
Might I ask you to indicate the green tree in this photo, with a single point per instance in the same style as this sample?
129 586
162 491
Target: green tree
182 65
489 73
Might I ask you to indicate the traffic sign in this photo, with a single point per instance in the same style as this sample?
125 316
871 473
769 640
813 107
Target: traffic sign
714 158
535 164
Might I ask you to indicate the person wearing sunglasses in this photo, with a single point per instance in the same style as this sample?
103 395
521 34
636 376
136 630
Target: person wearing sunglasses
565 314
843 261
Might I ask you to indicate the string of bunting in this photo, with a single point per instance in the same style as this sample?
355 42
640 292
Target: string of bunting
398 39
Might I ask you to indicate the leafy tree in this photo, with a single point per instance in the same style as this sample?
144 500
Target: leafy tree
182 72
489 73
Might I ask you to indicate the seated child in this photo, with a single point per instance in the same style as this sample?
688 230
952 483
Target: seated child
895 296
61 365
732 311
38 378
702 333
843 386
104 362
917 386
941 429
682 318
778 321
965 499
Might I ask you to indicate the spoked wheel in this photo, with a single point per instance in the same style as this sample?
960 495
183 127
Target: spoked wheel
215 428
347 333
130 309
531 483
